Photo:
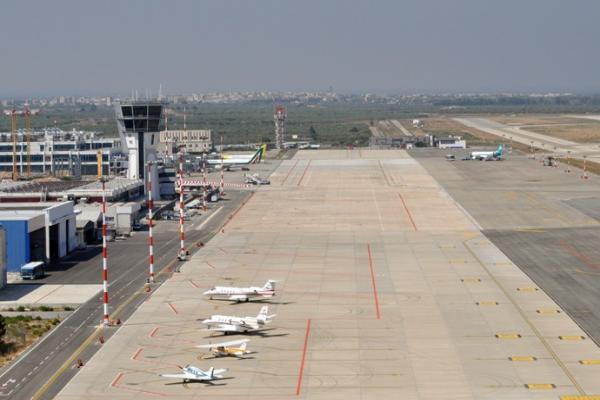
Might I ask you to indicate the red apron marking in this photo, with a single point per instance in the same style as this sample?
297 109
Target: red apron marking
301 373
412 221
377 312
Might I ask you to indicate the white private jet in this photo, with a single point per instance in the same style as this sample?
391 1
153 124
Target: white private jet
227 324
195 374
235 348
242 294
488 155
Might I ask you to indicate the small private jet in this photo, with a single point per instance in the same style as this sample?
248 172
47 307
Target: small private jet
242 294
235 348
195 374
228 324
495 155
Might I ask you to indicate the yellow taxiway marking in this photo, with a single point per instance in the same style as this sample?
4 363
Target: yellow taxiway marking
508 335
571 337
540 386
487 303
527 289
522 358
577 397
548 311
589 362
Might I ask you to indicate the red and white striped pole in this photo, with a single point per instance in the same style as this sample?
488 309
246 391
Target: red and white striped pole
222 171
182 252
150 224
104 255
204 185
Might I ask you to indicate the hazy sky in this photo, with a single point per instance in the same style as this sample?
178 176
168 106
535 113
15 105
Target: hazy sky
110 47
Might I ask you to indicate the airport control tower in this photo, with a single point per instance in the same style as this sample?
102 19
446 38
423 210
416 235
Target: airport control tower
139 124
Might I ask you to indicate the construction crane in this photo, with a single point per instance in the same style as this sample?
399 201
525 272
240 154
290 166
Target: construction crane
27 112
13 124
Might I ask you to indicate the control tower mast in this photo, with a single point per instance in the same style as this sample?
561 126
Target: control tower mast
280 116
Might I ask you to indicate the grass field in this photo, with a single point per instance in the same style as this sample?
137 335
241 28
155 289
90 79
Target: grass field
22 332
582 133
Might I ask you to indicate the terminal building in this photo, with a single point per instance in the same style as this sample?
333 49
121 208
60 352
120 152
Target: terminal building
57 152
192 141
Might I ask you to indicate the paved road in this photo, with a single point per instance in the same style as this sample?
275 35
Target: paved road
50 364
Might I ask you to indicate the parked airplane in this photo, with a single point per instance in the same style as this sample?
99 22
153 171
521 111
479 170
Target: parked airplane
195 374
255 179
488 155
246 156
235 348
237 160
242 294
226 323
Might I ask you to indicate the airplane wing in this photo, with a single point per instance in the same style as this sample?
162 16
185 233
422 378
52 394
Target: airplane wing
223 328
223 344
178 376
238 297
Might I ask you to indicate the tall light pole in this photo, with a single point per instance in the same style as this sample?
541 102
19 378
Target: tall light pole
150 224
182 252
104 255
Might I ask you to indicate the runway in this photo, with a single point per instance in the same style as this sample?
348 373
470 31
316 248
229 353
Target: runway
540 141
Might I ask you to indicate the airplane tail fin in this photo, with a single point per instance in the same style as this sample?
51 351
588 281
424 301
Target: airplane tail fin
500 149
243 346
211 372
263 315
263 152
270 285
256 157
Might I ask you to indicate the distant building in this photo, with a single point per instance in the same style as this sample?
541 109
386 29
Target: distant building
451 142
194 141
57 152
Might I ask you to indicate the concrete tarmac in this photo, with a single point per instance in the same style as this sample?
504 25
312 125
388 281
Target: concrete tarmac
42 371
387 288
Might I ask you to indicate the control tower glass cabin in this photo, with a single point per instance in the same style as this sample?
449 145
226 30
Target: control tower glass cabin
139 124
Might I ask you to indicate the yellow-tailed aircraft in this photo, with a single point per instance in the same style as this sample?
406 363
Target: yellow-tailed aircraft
235 348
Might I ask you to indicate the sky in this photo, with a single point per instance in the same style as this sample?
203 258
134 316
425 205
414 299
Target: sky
109 47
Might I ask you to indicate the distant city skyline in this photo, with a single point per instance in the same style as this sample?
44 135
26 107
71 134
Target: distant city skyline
69 47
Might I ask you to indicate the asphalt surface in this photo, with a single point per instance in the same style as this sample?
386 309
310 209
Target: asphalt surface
565 263
543 219
78 337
